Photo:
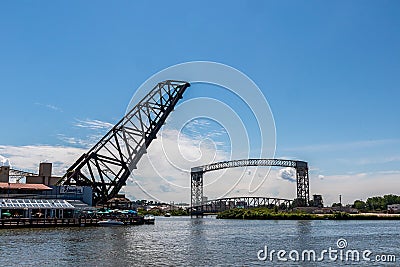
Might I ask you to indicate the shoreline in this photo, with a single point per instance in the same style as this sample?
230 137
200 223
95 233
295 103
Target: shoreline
267 214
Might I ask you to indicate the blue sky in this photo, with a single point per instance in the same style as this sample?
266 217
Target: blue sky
329 70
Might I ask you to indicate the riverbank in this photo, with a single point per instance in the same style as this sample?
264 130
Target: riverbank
268 214
157 212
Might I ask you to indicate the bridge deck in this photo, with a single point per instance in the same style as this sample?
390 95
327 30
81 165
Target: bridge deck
222 204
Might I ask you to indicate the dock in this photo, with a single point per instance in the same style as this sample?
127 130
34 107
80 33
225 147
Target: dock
12 223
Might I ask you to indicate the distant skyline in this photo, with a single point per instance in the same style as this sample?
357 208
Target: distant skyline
329 71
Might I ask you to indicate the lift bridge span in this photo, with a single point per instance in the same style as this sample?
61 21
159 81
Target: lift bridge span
197 173
109 163
222 204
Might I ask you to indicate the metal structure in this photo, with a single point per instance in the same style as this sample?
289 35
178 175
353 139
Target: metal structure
107 166
18 174
302 179
218 205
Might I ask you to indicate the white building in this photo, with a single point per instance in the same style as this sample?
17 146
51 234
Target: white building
394 208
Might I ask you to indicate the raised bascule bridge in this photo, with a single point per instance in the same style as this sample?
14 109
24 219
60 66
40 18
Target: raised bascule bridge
109 163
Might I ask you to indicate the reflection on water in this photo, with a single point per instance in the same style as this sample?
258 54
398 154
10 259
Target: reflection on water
181 241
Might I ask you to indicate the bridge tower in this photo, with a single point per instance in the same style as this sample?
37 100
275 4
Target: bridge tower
196 188
303 183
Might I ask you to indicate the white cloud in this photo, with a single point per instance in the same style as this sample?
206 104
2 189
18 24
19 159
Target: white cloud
93 131
356 186
164 172
288 174
93 124
49 106
168 162
29 157
87 142
4 161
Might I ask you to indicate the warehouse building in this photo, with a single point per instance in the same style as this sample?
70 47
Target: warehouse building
40 186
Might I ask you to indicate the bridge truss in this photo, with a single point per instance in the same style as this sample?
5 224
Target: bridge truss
218 205
107 166
18 174
301 167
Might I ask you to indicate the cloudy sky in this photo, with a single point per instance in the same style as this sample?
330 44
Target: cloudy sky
328 70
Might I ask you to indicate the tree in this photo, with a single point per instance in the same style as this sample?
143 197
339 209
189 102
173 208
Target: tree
360 205
391 199
298 202
336 205
376 203
283 206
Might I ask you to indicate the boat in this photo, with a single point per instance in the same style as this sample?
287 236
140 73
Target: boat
167 214
110 222
149 219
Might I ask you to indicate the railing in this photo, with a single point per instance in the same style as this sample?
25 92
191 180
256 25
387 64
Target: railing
11 222
56 222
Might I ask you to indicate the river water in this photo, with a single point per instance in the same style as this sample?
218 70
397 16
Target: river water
182 241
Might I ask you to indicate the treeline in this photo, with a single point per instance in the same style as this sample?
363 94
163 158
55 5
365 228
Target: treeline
376 203
158 212
270 214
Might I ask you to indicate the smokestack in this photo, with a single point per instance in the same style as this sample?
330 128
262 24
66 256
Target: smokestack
4 174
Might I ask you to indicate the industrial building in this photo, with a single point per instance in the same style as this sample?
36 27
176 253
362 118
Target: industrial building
39 195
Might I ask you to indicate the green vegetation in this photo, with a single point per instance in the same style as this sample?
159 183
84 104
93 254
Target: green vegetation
155 212
376 203
179 212
262 214
271 214
158 212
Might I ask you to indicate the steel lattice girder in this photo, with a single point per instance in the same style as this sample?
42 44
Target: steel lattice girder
303 187
107 166
249 162
19 173
301 167
197 188
218 205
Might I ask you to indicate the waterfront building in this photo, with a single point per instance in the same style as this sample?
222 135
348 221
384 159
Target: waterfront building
394 208
120 202
35 208
41 186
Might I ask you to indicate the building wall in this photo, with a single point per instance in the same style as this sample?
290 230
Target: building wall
4 174
83 193
44 176
394 208
45 169
46 180
35 180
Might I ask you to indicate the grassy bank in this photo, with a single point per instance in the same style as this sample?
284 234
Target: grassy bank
157 212
268 214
